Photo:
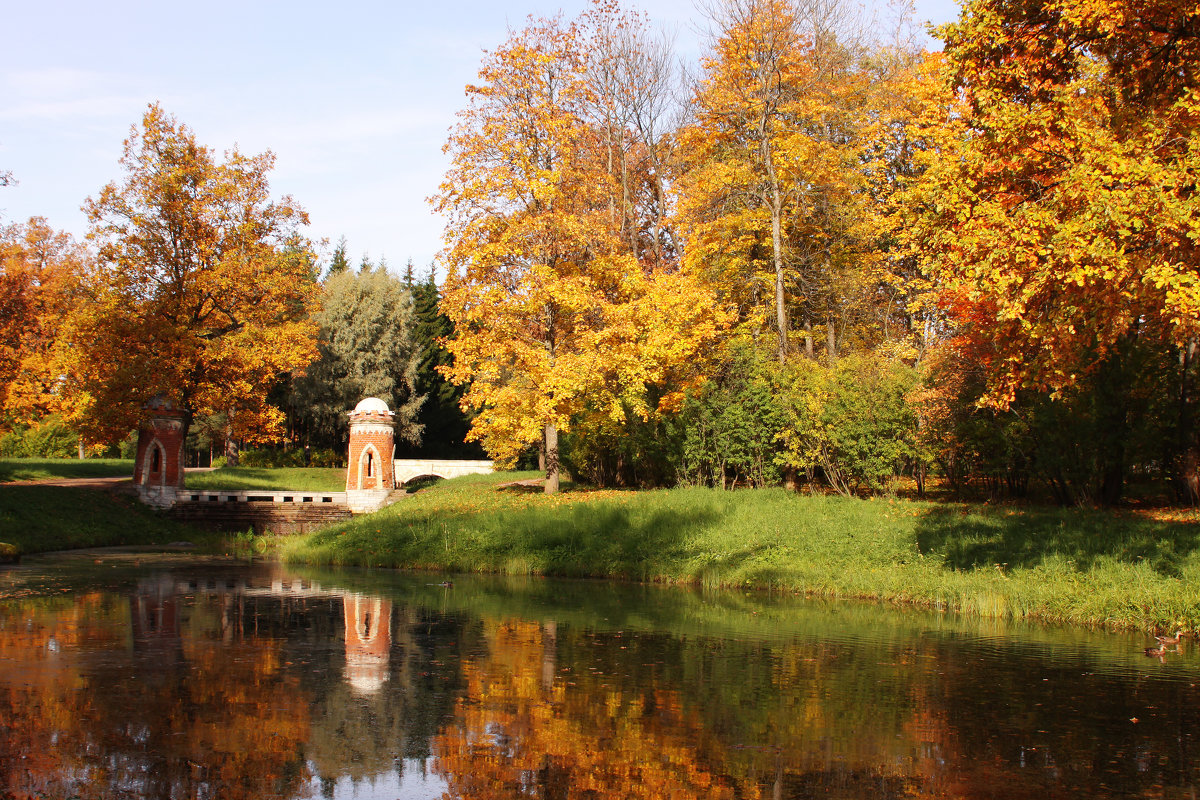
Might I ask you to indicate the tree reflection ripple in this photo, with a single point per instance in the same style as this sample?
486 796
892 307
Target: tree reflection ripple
221 680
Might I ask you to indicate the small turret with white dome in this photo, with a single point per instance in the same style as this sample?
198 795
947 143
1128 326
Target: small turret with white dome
372 405
369 468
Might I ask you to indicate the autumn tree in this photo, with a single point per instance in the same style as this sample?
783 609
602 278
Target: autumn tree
633 83
366 348
1059 200
734 192
555 317
776 200
39 272
201 288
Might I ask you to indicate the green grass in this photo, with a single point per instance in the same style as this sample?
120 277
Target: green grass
1085 567
304 479
36 469
43 518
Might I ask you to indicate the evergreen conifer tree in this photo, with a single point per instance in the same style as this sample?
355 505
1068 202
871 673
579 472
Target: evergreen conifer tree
339 263
367 349
445 424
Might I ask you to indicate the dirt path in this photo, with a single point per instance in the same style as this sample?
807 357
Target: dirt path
118 482
78 483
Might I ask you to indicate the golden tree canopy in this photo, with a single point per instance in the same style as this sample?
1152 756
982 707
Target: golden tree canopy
201 288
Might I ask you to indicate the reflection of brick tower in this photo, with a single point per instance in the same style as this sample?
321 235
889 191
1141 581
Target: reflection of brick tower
368 642
154 616
158 466
369 470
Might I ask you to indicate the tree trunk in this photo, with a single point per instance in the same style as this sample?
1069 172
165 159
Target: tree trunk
1188 472
791 479
231 449
551 435
1191 476
777 248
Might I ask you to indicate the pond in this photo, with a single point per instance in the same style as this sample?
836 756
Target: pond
169 677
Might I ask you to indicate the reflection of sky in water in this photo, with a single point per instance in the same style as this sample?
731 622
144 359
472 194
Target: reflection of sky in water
411 785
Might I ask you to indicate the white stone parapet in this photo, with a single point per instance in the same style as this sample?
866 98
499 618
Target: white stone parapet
257 496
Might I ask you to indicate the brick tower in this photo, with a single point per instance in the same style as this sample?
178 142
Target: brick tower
158 465
369 470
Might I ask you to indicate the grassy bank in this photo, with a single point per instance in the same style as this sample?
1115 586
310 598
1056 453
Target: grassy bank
40 469
1088 567
304 479
38 519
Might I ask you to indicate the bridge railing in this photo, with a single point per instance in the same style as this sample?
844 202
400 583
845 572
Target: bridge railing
405 469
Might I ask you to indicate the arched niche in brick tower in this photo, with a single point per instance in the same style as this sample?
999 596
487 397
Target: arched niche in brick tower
369 466
158 465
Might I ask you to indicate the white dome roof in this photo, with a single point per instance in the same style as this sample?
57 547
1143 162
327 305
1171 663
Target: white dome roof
372 405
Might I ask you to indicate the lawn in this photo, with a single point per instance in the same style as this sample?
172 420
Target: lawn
1081 566
42 518
38 469
302 479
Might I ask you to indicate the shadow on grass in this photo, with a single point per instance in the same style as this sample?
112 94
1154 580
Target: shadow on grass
580 540
1026 538
601 541
42 518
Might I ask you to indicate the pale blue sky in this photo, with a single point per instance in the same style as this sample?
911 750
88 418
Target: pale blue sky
355 99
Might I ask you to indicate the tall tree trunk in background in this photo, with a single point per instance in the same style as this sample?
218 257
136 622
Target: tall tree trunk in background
551 437
777 253
231 448
1191 475
1116 400
1188 471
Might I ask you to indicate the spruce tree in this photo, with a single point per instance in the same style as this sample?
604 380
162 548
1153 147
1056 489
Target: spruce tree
339 263
445 424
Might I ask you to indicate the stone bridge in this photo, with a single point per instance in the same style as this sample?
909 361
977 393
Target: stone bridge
407 469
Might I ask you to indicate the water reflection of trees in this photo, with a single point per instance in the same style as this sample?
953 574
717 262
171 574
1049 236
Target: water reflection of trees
233 690
241 694
570 714
556 712
123 697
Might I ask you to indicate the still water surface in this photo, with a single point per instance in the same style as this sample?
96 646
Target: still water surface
166 677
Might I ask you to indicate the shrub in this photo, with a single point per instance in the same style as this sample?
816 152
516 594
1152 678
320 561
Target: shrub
49 438
732 424
271 458
853 422
326 458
